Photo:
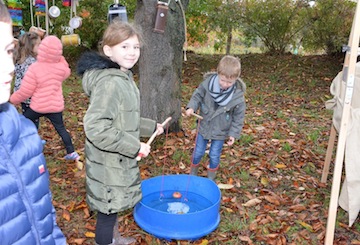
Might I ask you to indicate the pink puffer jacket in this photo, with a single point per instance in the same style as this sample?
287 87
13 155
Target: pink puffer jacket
43 80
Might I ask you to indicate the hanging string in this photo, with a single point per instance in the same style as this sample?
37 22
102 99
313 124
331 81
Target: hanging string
185 29
74 7
164 161
31 12
192 158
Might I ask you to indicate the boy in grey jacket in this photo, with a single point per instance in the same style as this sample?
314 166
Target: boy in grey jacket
220 99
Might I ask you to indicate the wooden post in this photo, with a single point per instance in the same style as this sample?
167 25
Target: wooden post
350 61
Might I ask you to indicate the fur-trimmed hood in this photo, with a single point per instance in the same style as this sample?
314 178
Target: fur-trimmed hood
94 68
92 60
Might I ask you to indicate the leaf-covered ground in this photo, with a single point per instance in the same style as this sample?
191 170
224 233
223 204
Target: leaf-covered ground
275 167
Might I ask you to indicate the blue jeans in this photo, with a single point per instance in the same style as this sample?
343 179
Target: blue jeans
214 154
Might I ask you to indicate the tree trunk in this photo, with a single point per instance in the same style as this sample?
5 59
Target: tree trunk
160 63
228 41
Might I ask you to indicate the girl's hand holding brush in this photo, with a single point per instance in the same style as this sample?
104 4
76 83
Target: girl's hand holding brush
144 149
159 130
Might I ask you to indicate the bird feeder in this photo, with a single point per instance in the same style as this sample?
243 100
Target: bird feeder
161 13
117 10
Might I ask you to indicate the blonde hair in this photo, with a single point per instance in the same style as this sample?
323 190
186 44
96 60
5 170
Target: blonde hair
25 46
118 31
229 66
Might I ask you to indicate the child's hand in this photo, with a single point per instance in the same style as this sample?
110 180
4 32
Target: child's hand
189 112
231 141
159 129
144 149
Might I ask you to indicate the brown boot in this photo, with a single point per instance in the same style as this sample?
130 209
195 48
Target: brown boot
120 240
194 169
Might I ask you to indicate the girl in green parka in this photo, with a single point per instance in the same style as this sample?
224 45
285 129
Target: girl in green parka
113 128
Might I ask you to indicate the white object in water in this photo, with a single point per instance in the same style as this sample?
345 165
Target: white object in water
178 208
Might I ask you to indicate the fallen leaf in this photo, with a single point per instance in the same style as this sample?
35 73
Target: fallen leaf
79 165
252 202
297 208
204 242
225 186
79 241
66 215
264 181
305 225
90 234
245 239
182 165
86 213
280 165
272 200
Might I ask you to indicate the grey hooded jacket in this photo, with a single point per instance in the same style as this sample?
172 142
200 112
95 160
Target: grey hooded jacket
219 122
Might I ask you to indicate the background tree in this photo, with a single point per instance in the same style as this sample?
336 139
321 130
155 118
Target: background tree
276 22
329 26
213 16
224 19
197 21
160 63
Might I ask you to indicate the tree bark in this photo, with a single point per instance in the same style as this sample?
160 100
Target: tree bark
229 40
160 63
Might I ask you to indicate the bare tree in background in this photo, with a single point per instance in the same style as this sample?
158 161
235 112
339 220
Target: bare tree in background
160 63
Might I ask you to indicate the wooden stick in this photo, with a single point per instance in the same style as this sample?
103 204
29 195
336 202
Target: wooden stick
329 152
151 139
198 116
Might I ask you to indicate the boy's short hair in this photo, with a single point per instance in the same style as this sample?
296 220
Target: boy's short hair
229 66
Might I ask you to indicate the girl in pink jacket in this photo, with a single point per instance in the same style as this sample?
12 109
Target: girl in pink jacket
43 83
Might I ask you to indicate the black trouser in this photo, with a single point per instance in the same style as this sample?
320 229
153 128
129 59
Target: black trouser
58 123
104 228
25 107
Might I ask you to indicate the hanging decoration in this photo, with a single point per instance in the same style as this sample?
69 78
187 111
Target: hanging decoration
54 10
15 11
71 40
117 10
66 3
40 8
161 13
75 22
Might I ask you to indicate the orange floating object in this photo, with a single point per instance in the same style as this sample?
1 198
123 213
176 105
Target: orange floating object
176 194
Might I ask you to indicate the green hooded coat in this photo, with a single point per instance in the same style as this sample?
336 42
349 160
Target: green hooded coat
113 127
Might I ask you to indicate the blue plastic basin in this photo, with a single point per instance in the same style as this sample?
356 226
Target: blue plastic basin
200 194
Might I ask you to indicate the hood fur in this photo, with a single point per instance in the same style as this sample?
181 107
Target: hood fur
92 60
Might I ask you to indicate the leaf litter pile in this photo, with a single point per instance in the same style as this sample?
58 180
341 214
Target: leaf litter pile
269 179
